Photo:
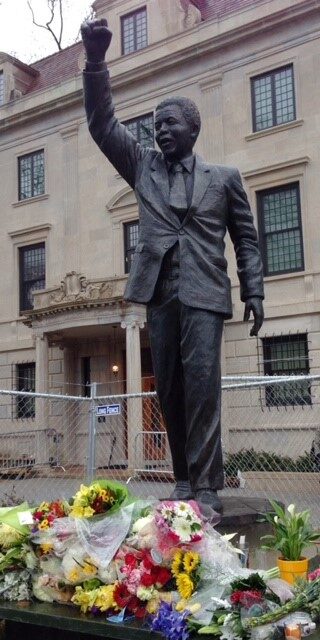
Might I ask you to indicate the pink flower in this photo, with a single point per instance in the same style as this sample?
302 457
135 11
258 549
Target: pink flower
133 581
314 575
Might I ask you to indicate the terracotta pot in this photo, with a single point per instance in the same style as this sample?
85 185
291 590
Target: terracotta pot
290 570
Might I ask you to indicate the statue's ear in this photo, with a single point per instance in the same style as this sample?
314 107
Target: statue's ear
195 132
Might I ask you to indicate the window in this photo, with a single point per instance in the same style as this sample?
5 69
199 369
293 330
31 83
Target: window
26 381
280 229
287 355
142 129
32 271
272 97
134 31
131 234
31 175
1 88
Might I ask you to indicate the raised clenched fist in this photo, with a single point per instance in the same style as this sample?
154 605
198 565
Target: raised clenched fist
96 38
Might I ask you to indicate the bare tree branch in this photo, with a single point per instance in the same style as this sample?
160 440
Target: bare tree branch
46 26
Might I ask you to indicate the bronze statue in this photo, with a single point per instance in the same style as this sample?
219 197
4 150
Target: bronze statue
179 270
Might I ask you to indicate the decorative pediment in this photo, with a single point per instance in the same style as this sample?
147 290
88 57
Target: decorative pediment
76 292
122 199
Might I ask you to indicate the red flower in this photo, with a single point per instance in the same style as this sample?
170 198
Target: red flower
130 560
136 606
147 580
57 509
97 505
121 595
162 575
147 560
38 515
246 598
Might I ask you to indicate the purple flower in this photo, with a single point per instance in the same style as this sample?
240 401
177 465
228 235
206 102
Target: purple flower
170 622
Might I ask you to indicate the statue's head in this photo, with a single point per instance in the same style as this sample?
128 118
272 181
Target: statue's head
177 126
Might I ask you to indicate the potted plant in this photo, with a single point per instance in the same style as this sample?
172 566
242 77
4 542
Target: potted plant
292 533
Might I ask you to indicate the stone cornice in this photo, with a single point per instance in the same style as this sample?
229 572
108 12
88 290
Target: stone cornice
76 292
148 63
293 162
34 112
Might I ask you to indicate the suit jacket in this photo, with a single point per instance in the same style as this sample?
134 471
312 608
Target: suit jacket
219 203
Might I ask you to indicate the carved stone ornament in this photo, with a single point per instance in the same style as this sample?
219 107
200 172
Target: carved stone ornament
192 15
75 288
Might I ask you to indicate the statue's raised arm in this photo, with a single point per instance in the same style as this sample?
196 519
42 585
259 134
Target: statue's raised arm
112 137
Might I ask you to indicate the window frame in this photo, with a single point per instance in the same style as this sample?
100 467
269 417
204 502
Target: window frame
31 154
22 281
126 16
128 251
138 120
272 74
263 234
23 402
269 370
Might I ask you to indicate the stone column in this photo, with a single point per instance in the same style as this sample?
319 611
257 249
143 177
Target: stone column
134 405
70 190
42 404
212 125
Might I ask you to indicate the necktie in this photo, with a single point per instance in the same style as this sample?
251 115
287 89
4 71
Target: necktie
178 196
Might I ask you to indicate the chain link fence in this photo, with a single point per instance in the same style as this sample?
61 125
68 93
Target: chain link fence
49 443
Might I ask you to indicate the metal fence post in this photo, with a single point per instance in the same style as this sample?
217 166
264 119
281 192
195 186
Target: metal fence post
92 434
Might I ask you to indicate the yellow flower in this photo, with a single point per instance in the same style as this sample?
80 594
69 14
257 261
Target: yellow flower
82 598
88 512
44 506
46 547
84 491
89 569
76 511
176 563
44 524
190 561
104 599
74 575
181 605
185 586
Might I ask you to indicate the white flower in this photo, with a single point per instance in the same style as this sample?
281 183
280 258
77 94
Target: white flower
141 523
183 509
146 593
182 528
291 509
276 519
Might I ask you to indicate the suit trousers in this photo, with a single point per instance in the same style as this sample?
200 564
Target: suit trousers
185 347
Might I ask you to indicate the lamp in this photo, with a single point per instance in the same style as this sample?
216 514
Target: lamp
115 369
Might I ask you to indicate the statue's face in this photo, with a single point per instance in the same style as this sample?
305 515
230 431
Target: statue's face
174 135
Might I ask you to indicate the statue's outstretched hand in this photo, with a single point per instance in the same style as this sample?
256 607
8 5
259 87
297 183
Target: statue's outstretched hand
96 38
255 305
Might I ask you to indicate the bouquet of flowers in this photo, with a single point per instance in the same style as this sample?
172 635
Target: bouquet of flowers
185 569
47 512
178 523
98 498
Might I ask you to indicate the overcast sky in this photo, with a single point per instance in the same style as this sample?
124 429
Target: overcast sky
19 37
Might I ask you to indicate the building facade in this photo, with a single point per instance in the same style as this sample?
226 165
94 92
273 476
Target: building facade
70 223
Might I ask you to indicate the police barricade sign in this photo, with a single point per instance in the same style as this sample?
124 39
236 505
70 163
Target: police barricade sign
108 410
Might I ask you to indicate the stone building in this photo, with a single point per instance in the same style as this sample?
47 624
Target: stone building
252 66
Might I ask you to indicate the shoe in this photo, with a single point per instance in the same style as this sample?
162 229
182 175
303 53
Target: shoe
209 497
182 491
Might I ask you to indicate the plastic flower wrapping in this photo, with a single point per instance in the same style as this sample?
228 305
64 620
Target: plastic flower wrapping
113 555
